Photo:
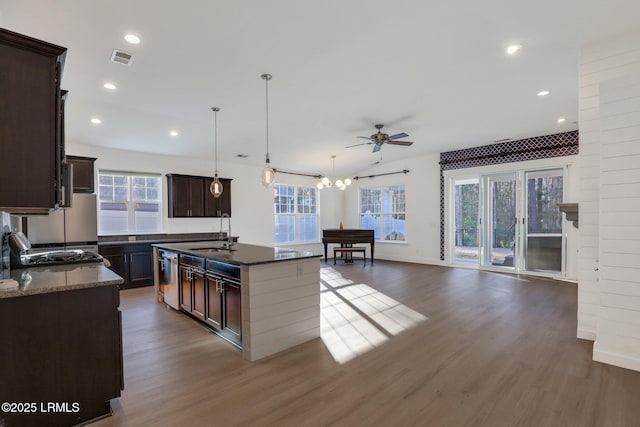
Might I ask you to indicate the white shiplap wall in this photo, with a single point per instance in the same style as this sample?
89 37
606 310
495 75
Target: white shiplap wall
609 299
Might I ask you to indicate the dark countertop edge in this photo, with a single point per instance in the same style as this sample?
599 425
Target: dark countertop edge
86 275
267 262
303 255
37 291
168 240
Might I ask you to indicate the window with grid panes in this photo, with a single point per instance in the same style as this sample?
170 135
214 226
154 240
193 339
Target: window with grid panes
296 214
383 209
129 203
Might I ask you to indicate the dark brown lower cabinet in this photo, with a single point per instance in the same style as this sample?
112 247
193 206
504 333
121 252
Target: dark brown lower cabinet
60 347
192 285
133 262
185 288
233 319
223 307
198 309
214 302
140 268
212 298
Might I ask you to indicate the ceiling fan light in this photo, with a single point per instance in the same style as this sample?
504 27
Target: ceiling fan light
339 183
326 181
320 185
347 181
329 184
342 187
216 188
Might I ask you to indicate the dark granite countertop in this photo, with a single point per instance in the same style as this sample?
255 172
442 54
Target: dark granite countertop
58 278
241 253
161 238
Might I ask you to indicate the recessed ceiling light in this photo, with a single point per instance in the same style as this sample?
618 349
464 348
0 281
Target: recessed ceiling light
109 86
543 93
96 121
132 38
173 133
561 120
513 48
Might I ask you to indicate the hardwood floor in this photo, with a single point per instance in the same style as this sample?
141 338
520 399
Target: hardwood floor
495 350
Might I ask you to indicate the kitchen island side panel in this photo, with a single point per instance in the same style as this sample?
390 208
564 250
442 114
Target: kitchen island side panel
280 306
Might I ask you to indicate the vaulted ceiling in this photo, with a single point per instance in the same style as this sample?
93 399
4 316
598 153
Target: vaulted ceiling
435 70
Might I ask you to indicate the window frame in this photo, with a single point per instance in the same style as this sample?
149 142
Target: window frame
382 213
129 202
296 214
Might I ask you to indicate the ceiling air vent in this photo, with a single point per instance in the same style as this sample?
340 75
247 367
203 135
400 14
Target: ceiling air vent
121 57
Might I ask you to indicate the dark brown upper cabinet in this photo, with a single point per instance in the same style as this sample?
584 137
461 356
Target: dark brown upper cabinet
83 174
216 207
189 197
31 134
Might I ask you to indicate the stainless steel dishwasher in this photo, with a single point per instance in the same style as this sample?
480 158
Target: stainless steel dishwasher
169 278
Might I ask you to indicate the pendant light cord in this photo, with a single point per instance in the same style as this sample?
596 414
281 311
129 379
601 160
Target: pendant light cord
215 136
266 78
266 83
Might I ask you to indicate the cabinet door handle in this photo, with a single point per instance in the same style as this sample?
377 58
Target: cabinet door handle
162 265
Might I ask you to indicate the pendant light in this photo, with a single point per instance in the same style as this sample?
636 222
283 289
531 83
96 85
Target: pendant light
326 182
216 186
268 174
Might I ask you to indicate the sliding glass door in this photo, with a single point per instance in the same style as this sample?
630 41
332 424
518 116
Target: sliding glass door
466 216
543 222
500 224
508 221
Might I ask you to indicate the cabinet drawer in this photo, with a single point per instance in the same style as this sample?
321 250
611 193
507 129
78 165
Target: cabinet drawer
223 269
192 261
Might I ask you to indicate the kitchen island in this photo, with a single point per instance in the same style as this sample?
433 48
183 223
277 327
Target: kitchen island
61 340
262 299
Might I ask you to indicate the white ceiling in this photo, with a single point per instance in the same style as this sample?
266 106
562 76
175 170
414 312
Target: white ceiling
433 69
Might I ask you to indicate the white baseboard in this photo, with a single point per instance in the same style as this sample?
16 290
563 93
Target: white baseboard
616 359
586 334
415 260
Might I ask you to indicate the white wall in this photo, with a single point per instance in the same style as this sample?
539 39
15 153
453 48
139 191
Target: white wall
251 203
609 299
422 186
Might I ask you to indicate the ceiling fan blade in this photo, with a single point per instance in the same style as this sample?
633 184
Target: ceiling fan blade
357 145
405 143
398 136
364 137
377 148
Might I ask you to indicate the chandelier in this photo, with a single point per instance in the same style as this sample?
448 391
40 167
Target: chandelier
326 182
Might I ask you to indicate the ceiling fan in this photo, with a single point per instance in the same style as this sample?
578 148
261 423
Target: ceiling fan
382 138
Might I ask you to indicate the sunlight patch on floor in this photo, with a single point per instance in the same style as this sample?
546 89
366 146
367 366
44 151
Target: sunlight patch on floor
355 318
